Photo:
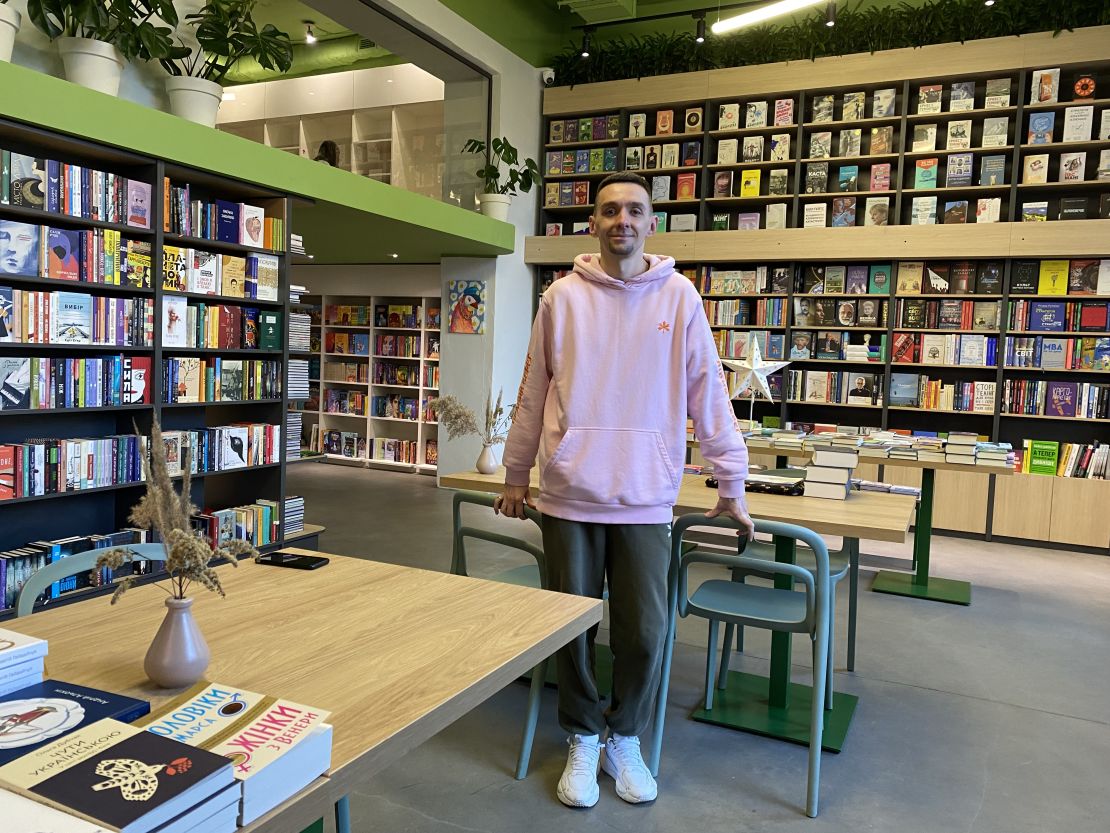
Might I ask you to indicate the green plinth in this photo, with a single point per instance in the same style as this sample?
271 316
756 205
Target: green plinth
745 705
934 589
316 827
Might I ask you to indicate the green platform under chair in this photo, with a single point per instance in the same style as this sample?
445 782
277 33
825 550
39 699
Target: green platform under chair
780 609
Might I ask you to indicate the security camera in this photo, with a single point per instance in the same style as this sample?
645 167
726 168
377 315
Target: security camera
548 76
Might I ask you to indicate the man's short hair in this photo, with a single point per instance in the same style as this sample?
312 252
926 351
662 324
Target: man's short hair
625 176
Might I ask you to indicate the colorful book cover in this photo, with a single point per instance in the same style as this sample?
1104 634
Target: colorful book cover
925 173
204 272
857 280
174 268
1053 277
843 212
1047 316
19 249
880 279
63 254
1043 457
958 170
1041 126
1061 399
880 177
251 221
174 322
138 204
73 322
233 271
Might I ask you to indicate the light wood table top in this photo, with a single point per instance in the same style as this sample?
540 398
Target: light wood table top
874 515
395 653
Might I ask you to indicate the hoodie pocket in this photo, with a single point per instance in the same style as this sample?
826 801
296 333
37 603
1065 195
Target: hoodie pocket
611 466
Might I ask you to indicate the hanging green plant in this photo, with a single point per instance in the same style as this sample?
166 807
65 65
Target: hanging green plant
857 29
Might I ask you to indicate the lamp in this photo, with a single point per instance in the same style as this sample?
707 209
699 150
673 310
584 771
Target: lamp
700 36
830 14
586 43
309 35
759 15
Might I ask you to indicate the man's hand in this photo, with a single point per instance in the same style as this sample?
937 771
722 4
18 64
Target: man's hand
737 509
512 500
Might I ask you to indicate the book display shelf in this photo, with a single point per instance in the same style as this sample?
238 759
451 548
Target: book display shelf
90 349
378 359
887 234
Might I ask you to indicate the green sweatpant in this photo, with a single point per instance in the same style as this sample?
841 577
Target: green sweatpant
634 559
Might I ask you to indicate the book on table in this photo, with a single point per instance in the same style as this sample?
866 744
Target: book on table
278 747
21 660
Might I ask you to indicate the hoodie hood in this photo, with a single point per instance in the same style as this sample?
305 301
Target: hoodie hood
589 267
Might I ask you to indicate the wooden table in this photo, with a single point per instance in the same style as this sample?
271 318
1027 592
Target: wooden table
396 654
874 515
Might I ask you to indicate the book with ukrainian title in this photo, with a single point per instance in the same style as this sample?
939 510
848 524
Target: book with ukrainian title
277 746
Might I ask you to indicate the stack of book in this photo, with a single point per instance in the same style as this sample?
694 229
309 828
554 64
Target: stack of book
995 455
931 449
788 440
295 746
297 377
830 472
293 429
296 246
21 660
960 447
300 339
294 514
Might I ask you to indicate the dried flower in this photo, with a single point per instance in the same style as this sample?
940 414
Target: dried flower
460 421
188 555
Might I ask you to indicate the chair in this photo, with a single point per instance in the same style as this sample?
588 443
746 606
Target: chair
737 603
527 575
40 580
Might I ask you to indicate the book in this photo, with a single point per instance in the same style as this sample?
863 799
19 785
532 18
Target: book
988 210
929 98
877 211
693 120
664 122
1034 212
935 280
958 170
749 183
1061 399
1073 208
780 147
204 272
747 221
1043 457
1041 127
903 390
814 215
961 96
633 157
252 220
233 270
992 170
910 273
843 211
684 222
849 142
823 108
722 184
817 177
778 181
669 159
963 278
846 313
661 188
784 111
883 102
997 93
1035 169
988 280
687 186
880 279
728 116
1073 166
955 211
138 204
71 318
959 135
1083 277
1052 278
882 140
924 137
122 777
755 114
996 132
923 211
1044 86
691 153
751 149
984 315
879 179
19 248
637 125
925 173
719 221
175 322
1078 124
820 145
847 178
856 280
726 152
853 106
834 279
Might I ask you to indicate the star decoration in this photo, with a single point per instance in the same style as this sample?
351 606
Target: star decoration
753 371
664 327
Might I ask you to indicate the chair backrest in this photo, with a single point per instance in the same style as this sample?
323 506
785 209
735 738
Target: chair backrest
41 580
461 533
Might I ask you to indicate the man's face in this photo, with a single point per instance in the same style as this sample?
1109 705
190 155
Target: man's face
15 251
622 219
859 383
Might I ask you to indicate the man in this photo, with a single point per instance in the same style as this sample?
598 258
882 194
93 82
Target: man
621 353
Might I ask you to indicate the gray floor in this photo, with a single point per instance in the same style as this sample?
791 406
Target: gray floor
989 718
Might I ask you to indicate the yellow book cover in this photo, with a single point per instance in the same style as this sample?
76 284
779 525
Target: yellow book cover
233 271
1053 279
910 273
749 183
174 264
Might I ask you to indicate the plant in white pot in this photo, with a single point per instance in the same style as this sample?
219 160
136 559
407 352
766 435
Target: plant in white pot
225 32
459 421
497 194
9 26
96 37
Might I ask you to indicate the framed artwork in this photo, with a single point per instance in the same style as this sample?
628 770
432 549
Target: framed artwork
467 301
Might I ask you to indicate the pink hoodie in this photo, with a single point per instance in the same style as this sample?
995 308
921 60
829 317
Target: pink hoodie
602 399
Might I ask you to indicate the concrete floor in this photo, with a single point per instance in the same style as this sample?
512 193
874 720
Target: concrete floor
991 718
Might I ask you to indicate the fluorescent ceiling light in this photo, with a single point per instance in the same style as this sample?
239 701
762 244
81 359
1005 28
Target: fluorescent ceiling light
763 13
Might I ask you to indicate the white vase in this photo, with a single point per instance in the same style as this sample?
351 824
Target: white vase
487 461
195 99
92 64
495 206
9 25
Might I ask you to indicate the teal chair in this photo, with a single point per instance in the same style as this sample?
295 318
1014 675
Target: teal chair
740 604
71 565
527 575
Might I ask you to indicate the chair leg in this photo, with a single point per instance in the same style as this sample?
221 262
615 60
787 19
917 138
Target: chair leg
664 678
853 597
535 695
739 639
817 720
726 653
343 815
830 655
710 664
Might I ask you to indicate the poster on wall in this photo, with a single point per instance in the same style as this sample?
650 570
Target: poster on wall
468 306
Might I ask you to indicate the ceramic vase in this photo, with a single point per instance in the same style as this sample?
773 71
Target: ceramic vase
92 64
487 462
195 99
495 206
178 656
9 26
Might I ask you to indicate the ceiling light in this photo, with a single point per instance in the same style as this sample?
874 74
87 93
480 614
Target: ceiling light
309 35
988 2
394 255
830 14
759 15
586 44
700 37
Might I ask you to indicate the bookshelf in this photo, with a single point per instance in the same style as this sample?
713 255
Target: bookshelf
377 377
111 372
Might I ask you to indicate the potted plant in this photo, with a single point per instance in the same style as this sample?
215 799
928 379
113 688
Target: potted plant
9 26
497 195
459 421
225 32
178 656
95 37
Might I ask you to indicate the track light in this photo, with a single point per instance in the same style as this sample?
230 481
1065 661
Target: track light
759 15
309 35
830 14
988 2
700 37
586 44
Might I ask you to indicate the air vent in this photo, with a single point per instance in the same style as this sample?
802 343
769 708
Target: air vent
366 43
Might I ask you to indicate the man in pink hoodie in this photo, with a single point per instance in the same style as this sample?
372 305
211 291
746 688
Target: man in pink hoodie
621 353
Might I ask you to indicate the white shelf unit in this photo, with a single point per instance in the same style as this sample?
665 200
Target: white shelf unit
425 367
310 417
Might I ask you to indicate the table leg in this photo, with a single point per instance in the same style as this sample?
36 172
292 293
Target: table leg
920 585
773 706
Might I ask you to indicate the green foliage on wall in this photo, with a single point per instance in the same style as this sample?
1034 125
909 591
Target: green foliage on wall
857 30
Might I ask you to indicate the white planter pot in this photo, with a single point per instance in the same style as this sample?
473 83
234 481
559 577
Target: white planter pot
495 206
9 25
92 63
194 99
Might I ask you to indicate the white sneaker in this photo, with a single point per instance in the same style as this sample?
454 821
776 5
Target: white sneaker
625 764
578 785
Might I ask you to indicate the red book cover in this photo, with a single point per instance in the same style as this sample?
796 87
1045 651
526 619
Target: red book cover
1092 318
7 472
229 327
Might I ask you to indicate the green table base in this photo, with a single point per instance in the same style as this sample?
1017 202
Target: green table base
316 827
744 705
934 589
